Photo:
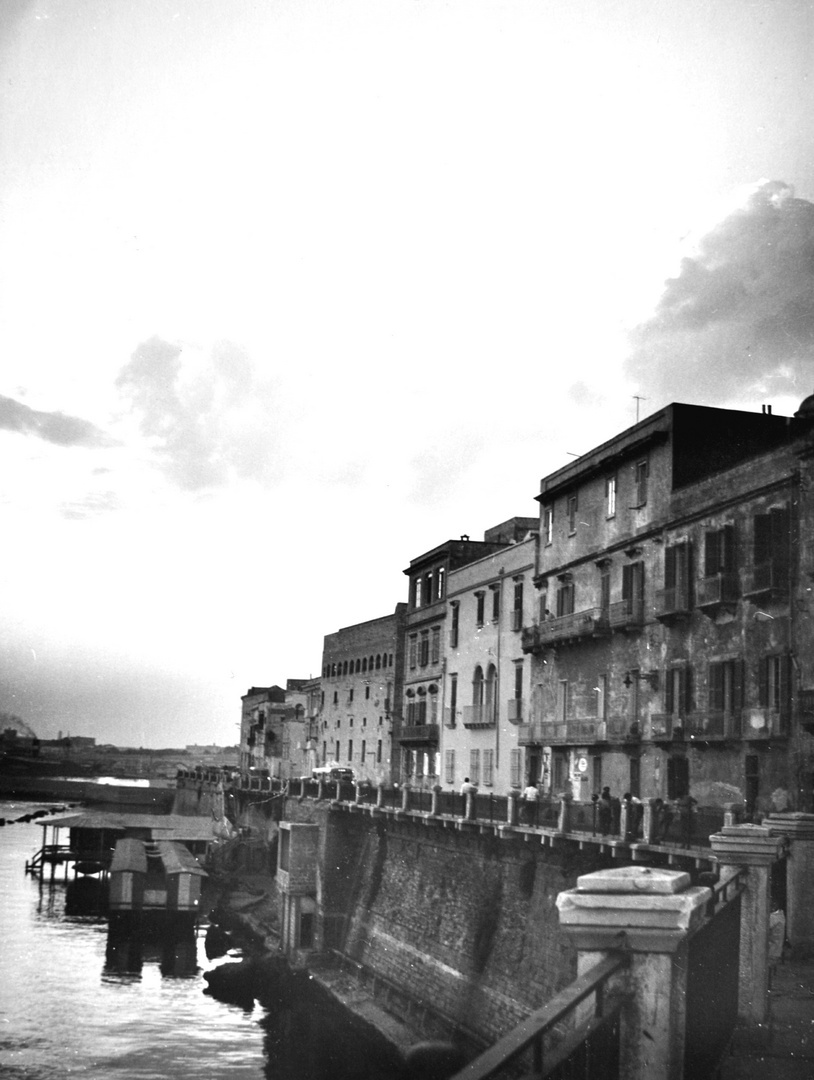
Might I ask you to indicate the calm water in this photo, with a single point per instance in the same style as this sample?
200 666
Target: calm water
74 1004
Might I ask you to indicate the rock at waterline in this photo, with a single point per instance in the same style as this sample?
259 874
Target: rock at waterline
240 983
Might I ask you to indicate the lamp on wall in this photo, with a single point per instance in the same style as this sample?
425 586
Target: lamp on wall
651 677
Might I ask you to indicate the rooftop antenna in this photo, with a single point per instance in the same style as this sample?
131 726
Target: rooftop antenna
638 399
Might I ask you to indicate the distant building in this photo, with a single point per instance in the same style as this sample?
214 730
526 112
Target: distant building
672 648
362 670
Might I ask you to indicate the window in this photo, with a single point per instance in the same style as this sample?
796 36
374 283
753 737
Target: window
490 694
601 696
474 767
604 591
633 588
678 777
336 697
562 699
719 551
515 768
440 574
350 749
453 629
449 766
453 698
725 688
479 614
428 587
379 749
772 535
641 471
544 612
413 650
436 644
774 684
433 704
364 751
518 679
677 575
378 661
565 599
610 496
350 695
337 751
477 686
324 750
417 592
367 693
488 768
495 603
364 664
424 649
517 606
596 770
678 692
548 524
572 514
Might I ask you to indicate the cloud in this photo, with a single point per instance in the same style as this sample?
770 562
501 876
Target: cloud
53 427
738 319
209 418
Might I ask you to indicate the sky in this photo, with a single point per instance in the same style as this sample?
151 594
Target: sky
292 291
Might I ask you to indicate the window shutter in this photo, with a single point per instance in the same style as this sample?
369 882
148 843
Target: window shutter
763 682
728 554
785 686
712 554
737 685
716 687
669 692
762 540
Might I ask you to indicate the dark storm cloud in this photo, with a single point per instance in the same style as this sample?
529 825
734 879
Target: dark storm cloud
53 427
738 320
210 419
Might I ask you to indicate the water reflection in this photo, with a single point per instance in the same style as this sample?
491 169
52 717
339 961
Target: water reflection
176 956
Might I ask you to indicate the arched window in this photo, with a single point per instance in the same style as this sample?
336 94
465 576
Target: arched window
345 667
358 666
378 661
370 664
477 686
364 664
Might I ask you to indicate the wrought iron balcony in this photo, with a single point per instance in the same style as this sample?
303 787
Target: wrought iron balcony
479 716
626 614
665 727
590 623
769 578
718 590
561 732
423 734
762 723
673 603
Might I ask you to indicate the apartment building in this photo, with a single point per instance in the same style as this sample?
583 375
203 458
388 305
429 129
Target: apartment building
418 733
362 670
487 675
671 644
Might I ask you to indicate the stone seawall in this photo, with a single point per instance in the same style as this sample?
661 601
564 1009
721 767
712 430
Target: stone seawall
462 921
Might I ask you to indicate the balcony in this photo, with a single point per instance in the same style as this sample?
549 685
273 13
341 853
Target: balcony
762 723
626 614
450 717
479 716
622 729
769 579
673 603
515 714
419 734
712 726
561 732
666 727
717 591
564 629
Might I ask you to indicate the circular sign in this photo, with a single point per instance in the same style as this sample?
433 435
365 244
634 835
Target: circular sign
582 764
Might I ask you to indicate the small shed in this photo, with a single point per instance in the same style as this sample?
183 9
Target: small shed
184 876
128 874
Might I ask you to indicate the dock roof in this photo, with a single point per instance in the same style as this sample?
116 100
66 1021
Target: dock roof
159 826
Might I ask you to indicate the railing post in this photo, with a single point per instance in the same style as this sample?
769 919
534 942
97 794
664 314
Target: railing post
624 819
469 812
380 794
798 829
405 796
564 818
651 822
436 791
755 848
651 914
732 813
511 806
320 789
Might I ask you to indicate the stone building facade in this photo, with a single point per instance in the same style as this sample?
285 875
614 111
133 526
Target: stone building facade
362 670
671 645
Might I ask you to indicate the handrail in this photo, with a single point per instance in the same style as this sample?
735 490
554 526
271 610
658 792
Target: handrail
532 1030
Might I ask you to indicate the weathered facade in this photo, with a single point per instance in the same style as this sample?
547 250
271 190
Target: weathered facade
274 729
426 632
671 646
487 677
362 669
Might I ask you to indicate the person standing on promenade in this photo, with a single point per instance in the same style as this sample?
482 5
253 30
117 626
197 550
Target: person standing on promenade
530 799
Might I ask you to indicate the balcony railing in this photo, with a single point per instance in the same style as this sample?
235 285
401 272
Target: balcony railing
419 733
623 729
591 623
664 726
672 603
561 732
770 577
479 716
761 723
626 614
718 589
714 724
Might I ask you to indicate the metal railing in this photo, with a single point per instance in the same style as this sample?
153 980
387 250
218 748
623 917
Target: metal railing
554 1043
